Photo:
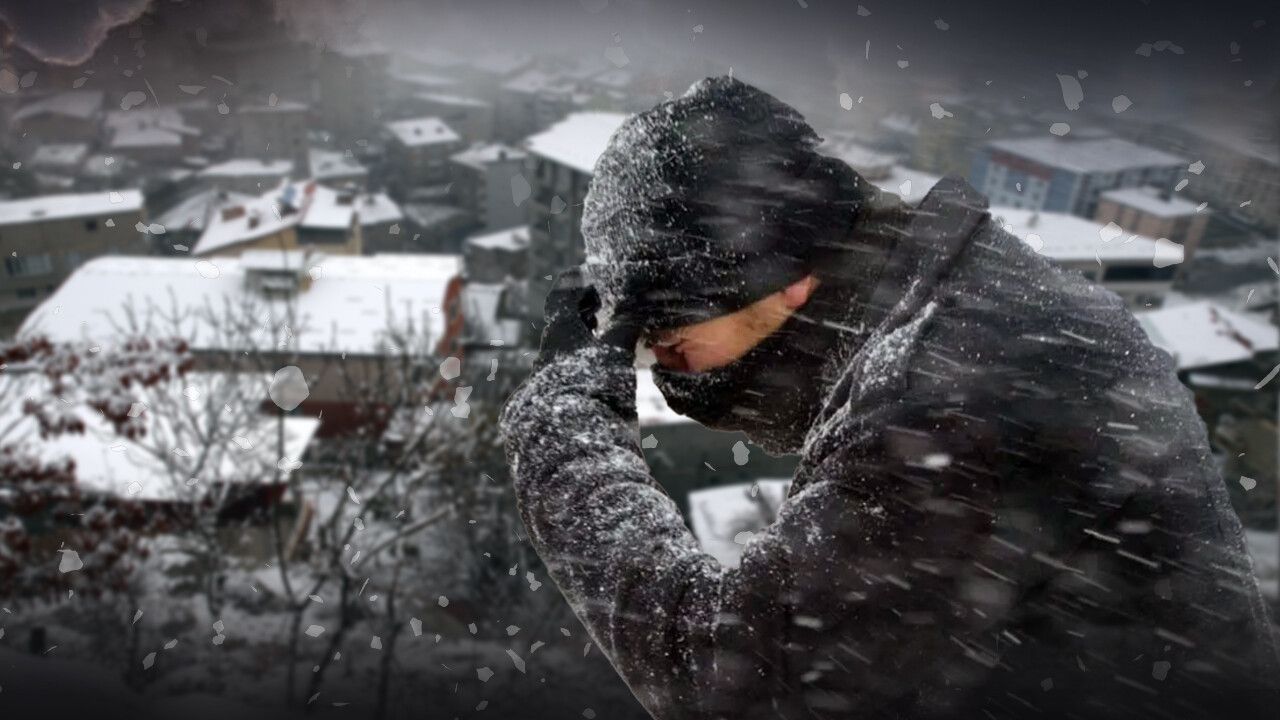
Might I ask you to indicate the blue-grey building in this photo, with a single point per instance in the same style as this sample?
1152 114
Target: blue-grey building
1061 174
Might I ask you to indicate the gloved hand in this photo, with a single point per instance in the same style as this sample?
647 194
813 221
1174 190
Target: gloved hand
570 317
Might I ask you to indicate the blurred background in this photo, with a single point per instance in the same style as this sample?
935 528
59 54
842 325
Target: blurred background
272 267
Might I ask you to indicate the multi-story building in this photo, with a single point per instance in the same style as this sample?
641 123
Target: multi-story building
561 160
1155 212
1067 174
472 118
275 132
482 184
418 153
44 239
352 86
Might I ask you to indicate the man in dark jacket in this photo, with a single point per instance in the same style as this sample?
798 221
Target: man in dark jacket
1005 504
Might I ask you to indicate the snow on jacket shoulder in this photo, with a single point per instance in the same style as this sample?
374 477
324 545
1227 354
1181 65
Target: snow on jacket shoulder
1007 508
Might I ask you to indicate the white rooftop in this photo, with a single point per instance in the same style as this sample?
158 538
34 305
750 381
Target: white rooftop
328 164
1203 334
578 140
1069 238
456 100
70 205
191 212
348 308
60 154
512 238
1149 200
907 183
305 204
1093 155
481 154
422 131
107 463
256 218
248 167
83 104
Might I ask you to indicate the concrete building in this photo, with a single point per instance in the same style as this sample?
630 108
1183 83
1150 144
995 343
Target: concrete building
1139 269
1155 212
418 153
337 169
482 184
352 87
185 220
1067 174
531 102
275 132
150 136
44 239
561 160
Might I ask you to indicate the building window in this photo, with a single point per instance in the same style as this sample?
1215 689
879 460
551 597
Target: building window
91 225
26 265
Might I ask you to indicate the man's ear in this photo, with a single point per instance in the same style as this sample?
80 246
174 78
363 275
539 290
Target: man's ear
797 293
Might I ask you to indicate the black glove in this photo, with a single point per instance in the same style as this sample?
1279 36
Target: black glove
570 317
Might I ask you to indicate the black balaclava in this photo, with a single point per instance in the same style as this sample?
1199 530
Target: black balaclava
710 202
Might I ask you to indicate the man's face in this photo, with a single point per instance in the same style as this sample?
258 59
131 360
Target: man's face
717 342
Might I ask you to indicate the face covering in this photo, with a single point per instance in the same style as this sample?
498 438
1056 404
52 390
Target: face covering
774 391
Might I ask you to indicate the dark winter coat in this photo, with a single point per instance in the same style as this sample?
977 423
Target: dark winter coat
1007 508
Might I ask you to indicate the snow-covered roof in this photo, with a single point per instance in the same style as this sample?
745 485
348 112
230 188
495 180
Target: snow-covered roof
1069 238
191 212
108 463
248 167
481 154
535 81
140 137
377 209
83 104
422 131
908 183
348 307
1095 155
168 118
651 406
60 154
859 157
328 164
1151 200
69 205
259 217
456 100
1204 334
512 238
422 79
578 140
282 106
724 518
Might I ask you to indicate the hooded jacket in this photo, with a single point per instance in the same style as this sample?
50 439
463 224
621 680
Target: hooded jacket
1006 507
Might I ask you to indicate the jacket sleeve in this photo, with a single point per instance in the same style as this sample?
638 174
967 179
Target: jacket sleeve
835 607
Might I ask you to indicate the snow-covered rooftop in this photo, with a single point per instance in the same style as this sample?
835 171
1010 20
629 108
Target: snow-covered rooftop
140 137
59 154
455 100
512 238
83 104
191 212
578 140
422 79
282 106
108 463
422 131
1094 155
248 167
1151 200
480 305
235 224
328 164
908 183
70 205
1203 334
348 307
481 154
1069 238
305 204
